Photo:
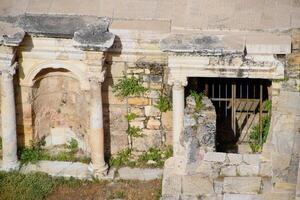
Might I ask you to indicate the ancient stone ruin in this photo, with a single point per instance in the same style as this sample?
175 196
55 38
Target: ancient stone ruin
217 81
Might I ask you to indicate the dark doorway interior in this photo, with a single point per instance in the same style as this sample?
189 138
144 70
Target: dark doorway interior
239 104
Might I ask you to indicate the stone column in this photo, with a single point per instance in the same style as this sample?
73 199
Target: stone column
8 117
98 165
178 114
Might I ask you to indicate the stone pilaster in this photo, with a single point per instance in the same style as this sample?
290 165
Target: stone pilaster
178 112
8 112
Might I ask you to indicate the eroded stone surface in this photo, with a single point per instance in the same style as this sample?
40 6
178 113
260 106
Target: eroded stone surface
242 185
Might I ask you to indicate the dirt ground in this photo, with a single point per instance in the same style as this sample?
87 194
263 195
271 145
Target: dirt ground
129 190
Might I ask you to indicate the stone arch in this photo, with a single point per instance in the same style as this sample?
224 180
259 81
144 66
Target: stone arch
75 70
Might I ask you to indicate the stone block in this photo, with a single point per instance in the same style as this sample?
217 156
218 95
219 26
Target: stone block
235 159
228 171
151 111
171 185
127 173
218 186
153 124
208 169
251 159
265 169
118 142
242 185
215 157
196 185
150 138
248 170
153 94
138 101
242 197
138 111
138 124
166 120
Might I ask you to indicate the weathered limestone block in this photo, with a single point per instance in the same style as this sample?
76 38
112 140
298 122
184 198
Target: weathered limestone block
215 157
218 186
242 185
149 138
235 159
138 124
265 169
138 101
196 185
138 111
242 197
208 169
228 171
172 185
166 120
151 111
118 141
248 170
251 159
153 124
127 173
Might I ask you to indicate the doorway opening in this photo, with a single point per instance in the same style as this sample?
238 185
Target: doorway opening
239 103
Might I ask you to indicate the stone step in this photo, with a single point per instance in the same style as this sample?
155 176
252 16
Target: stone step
278 196
284 187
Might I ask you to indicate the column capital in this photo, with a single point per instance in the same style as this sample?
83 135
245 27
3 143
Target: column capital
97 77
7 73
178 82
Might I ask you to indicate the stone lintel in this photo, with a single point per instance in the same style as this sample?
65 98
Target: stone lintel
203 44
268 44
88 32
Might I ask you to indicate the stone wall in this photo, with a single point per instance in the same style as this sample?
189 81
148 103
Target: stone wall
220 176
135 55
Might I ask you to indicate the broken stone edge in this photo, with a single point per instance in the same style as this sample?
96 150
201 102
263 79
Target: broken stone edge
87 32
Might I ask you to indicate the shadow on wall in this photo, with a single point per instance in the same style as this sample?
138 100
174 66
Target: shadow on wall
114 51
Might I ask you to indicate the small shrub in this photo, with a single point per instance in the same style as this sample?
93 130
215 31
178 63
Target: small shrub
133 131
163 104
129 86
121 159
0 143
198 99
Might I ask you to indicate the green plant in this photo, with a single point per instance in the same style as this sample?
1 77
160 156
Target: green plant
159 156
130 116
257 139
33 153
198 99
129 86
133 131
163 104
17 186
122 158
0 143
72 146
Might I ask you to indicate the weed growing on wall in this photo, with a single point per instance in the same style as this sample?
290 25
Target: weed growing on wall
198 99
256 139
0 143
129 86
132 131
163 104
154 157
